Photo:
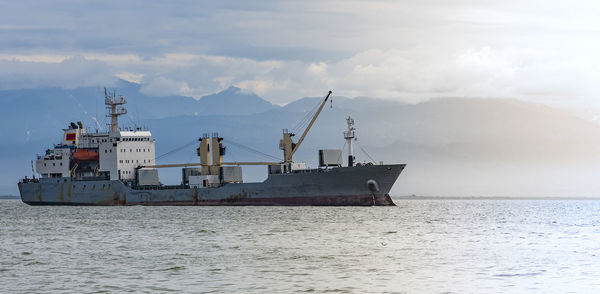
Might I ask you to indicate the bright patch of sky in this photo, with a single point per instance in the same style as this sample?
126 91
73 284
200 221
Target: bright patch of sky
541 51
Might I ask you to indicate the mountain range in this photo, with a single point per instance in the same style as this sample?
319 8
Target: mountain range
453 146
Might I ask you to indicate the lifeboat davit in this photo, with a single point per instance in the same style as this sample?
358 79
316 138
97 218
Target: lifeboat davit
85 155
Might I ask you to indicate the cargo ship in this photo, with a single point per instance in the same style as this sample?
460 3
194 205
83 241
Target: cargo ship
118 167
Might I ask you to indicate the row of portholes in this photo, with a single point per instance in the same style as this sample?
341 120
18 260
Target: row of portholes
136 139
136 150
136 161
53 164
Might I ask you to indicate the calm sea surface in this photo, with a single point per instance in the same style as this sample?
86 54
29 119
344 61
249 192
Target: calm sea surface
420 246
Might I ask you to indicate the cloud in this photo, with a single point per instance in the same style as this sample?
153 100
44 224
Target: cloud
131 77
71 72
411 50
410 75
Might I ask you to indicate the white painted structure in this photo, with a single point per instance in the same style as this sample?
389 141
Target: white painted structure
115 154
121 155
54 164
349 136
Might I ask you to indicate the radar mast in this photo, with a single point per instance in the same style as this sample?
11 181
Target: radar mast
115 108
349 136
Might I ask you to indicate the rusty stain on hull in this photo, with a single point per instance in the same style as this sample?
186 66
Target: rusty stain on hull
39 192
69 192
338 187
358 200
61 192
195 197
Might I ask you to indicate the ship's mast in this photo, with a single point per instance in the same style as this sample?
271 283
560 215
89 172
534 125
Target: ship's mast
349 136
112 102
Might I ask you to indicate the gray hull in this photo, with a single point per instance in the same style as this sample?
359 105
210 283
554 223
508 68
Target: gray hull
359 185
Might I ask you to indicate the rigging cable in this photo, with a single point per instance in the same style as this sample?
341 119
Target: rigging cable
251 150
340 158
176 150
307 117
363 150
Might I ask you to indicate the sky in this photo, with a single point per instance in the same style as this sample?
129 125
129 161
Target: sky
539 51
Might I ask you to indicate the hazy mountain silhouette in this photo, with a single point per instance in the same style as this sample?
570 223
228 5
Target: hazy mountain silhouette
41 113
453 146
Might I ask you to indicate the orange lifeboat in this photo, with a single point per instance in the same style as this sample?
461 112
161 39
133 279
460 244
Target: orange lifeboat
85 155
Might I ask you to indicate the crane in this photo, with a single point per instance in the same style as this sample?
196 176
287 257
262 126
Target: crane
288 146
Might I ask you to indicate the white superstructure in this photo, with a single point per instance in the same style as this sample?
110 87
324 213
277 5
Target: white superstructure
122 154
349 136
114 155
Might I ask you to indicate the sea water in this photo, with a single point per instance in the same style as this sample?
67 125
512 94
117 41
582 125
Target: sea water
419 246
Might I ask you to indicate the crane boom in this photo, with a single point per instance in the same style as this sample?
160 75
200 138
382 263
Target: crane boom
312 121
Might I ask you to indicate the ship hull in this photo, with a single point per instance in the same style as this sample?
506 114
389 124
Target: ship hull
345 186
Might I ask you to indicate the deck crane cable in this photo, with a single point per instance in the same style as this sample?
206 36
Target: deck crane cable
176 149
365 152
303 121
340 158
306 119
251 149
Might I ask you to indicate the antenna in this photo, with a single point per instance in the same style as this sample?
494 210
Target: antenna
32 170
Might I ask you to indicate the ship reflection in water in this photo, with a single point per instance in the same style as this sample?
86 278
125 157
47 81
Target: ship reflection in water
426 246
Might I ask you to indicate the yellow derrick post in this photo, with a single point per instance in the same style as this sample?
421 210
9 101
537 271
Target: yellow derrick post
287 146
217 154
204 153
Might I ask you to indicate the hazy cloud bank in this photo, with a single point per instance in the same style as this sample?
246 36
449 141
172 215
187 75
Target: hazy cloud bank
542 51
